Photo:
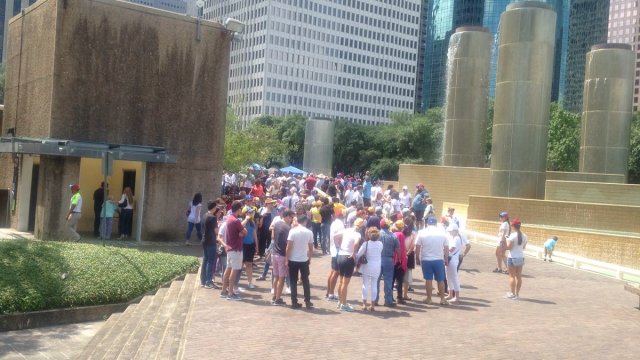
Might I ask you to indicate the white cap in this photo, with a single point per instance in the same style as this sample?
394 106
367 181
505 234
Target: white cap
405 187
452 227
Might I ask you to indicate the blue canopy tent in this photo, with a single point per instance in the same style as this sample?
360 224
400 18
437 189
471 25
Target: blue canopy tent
293 170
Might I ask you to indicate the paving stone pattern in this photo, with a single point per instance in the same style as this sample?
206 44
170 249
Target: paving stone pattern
562 313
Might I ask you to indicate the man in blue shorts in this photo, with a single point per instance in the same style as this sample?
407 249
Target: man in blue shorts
433 249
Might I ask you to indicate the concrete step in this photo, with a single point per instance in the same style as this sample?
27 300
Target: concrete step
135 339
98 351
125 328
176 327
106 329
154 335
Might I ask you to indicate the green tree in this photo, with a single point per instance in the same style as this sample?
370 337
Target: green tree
564 140
634 151
290 131
2 77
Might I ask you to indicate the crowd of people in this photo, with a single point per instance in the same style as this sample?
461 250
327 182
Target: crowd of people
377 233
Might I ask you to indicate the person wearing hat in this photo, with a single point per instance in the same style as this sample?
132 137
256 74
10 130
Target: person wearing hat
400 259
516 244
390 249
455 249
291 200
432 247
73 215
501 247
452 219
316 222
405 197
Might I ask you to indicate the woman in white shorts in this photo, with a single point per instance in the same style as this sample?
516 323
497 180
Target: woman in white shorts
516 243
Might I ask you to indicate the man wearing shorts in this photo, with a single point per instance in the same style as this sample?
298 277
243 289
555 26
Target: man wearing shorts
233 245
433 249
279 255
335 239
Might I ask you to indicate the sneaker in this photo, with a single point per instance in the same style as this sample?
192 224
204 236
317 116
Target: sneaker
261 279
333 297
510 295
207 286
234 297
224 294
214 286
339 307
296 306
287 291
347 308
515 297
251 286
545 259
201 285
280 302
273 303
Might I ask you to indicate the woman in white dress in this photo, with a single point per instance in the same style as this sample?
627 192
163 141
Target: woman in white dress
370 271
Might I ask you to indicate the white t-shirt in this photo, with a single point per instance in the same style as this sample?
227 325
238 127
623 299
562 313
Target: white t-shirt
348 196
129 203
337 227
504 229
222 232
194 215
299 239
349 239
457 243
374 192
517 251
432 241
405 199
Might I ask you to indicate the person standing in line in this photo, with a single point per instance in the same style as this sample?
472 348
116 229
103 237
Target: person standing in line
409 232
249 244
346 261
400 260
455 249
366 191
390 248
419 205
106 224
503 233
279 255
267 213
405 197
193 218
336 233
433 248
516 244
125 223
316 224
299 252
74 213
372 250
326 217
549 245
98 200
209 248
233 246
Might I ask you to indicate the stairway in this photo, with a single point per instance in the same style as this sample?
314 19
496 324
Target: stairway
154 328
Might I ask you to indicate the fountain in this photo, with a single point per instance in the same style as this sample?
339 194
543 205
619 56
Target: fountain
318 146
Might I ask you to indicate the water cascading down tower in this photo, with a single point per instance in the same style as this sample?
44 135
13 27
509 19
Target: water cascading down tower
523 95
318 146
469 57
607 109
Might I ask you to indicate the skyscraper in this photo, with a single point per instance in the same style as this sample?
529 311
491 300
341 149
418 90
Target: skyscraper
177 6
624 27
346 59
588 23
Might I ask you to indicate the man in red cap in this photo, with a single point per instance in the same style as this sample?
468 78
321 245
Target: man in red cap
73 215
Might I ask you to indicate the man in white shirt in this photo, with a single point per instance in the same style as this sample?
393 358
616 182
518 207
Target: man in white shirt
335 239
299 252
433 249
405 197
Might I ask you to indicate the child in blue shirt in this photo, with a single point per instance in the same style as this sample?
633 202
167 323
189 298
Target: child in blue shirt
106 218
549 245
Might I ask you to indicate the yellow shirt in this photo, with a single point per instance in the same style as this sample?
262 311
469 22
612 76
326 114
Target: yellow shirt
315 215
337 206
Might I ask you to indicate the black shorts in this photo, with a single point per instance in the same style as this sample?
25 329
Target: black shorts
334 263
419 214
346 265
248 251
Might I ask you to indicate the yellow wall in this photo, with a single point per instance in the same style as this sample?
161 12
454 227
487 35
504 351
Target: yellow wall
593 192
611 248
612 218
585 177
446 183
90 179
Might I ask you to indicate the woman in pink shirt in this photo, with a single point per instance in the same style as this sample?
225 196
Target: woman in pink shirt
401 260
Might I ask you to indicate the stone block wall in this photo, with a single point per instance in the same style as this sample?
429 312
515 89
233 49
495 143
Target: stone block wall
591 192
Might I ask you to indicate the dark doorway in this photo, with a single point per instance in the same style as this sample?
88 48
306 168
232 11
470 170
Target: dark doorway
129 179
33 200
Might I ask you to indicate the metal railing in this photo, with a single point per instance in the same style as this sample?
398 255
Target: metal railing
577 262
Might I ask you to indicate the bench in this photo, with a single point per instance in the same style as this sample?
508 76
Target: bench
634 290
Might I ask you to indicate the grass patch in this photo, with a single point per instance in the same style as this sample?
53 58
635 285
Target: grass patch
37 275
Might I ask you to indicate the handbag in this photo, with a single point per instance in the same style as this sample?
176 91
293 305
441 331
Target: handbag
124 204
267 255
362 260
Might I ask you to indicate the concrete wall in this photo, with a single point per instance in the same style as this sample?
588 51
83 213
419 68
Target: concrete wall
592 192
585 177
611 248
444 183
126 74
610 218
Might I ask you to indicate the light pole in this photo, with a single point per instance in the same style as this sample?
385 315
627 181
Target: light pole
199 6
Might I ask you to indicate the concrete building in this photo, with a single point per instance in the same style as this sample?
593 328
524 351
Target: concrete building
624 27
9 9
588 22
344 59
119 78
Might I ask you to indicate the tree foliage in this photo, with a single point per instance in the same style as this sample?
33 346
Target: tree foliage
634 151
563 150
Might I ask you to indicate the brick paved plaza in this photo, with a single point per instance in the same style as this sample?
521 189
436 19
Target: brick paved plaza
562 313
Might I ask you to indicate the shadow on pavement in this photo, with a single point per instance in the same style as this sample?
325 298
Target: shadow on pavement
542 302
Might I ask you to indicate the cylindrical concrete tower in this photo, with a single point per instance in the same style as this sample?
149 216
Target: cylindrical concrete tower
318 146
467 90
607 109
523 95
